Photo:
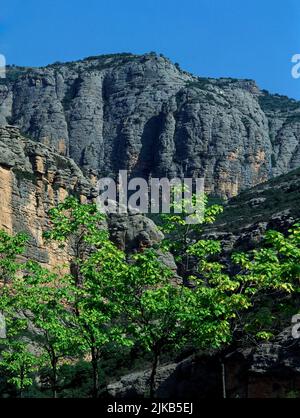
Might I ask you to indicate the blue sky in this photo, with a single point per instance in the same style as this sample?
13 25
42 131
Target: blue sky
238 38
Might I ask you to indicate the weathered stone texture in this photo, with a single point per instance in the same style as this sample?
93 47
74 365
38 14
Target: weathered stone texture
144 114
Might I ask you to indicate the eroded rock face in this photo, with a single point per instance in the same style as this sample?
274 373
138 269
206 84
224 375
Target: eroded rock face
270 370
275 368
33 179
133 231
192 378
144 114
246 217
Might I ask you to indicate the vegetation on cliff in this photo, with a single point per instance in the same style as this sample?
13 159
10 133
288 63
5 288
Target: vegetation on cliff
65 333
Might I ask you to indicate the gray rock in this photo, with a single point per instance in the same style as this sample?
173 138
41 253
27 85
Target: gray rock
192 378
34 178
143 114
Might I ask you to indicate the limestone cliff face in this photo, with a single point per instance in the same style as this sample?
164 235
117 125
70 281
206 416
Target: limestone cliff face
272 205
35 178
144 114
284 129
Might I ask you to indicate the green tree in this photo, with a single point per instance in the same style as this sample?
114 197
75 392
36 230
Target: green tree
274 270
11 246
97 269
19 363
223 307
150 301
109 299
98 313
41 297
183 226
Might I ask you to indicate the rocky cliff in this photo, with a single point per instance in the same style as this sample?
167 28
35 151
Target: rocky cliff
145 114
76 121
270 370
35 178
274 204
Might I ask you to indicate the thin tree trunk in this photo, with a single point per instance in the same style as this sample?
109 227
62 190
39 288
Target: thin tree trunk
223 379
95 373
21 384
54 378
153 374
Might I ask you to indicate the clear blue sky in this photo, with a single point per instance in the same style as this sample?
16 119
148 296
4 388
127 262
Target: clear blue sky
238 38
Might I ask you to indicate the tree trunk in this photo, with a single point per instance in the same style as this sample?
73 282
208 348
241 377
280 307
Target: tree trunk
153 374
223 379
21 383
95 373
54 378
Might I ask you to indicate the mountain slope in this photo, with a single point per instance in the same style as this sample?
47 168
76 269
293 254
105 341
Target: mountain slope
33 179
146 115
271 205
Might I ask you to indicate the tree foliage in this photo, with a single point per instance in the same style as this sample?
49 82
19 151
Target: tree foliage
111 302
